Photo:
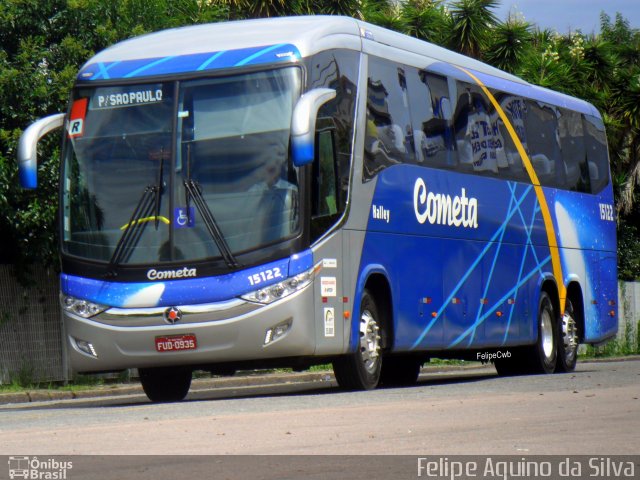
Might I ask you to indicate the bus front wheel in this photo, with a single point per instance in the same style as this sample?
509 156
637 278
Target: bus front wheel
361 369
165 384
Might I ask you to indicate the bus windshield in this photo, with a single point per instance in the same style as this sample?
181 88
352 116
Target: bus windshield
180 171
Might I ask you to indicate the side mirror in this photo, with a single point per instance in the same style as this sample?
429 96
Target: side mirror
28 148
303 124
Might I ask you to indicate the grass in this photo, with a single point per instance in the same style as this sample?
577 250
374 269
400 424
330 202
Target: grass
20 383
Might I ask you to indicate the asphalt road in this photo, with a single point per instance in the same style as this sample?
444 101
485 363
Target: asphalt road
593 411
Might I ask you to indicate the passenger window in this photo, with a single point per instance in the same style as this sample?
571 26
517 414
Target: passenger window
541 126
514 108
597 153
479 140
574 155
388 136
431 119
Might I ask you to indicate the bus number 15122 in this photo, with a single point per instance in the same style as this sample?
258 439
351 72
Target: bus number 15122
258 278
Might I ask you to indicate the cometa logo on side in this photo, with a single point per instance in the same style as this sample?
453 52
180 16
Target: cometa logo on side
441 209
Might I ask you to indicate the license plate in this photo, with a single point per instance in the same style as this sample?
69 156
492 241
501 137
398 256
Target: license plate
175 343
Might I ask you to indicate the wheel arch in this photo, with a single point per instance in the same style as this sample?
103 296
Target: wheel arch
375 279
574 293
550 287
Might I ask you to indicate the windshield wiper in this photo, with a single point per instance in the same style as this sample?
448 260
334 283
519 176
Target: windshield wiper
133 230
160 185
194 191
149 202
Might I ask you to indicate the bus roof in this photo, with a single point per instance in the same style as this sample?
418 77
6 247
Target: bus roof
240 43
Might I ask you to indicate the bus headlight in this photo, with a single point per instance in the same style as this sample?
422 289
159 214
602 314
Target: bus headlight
83 308
280 290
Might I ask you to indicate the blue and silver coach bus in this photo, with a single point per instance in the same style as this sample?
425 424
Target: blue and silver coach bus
294 191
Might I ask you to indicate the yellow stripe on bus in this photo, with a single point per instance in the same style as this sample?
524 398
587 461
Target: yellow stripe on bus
544 207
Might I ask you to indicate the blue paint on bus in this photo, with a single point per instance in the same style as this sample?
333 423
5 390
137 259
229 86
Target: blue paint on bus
478 286
185 291
196 62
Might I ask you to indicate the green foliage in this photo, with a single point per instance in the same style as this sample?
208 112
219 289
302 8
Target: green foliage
509 43
385 14
427 20
472 23
628 251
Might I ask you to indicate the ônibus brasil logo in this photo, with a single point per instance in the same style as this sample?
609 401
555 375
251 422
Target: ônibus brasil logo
441 209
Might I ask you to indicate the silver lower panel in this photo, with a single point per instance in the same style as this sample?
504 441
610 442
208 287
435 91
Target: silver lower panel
222 340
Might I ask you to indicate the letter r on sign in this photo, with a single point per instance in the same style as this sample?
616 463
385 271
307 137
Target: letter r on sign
75 128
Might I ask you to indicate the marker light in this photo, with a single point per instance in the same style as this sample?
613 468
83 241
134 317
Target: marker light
280 290
79 307
277 331
86 347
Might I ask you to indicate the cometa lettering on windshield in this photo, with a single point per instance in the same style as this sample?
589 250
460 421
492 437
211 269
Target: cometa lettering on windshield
441 209
185 272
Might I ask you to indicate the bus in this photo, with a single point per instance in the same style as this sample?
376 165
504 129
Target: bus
295 191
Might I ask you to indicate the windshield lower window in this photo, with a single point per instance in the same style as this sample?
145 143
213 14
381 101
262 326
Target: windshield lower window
181 171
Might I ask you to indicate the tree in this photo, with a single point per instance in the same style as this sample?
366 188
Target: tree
472 21
257 8
509 43
427 20
384 13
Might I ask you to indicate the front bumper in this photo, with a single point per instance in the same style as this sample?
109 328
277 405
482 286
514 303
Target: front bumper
240 336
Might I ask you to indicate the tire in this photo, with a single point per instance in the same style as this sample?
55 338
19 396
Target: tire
400 371
164 385
361 369
568 340
543 355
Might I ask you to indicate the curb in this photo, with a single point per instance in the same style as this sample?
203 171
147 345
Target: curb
197 385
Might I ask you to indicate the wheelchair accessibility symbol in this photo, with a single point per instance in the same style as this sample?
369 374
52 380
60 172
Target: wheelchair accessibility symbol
182 220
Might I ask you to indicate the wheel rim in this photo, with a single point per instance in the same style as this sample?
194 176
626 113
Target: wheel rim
546 330
369 341
569 337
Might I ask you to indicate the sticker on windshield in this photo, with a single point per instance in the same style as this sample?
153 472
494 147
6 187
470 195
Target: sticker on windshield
183 220
77 116
121 97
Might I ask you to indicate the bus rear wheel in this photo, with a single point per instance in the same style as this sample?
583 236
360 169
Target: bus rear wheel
541 357
568 340
544 354
164 385
361 369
